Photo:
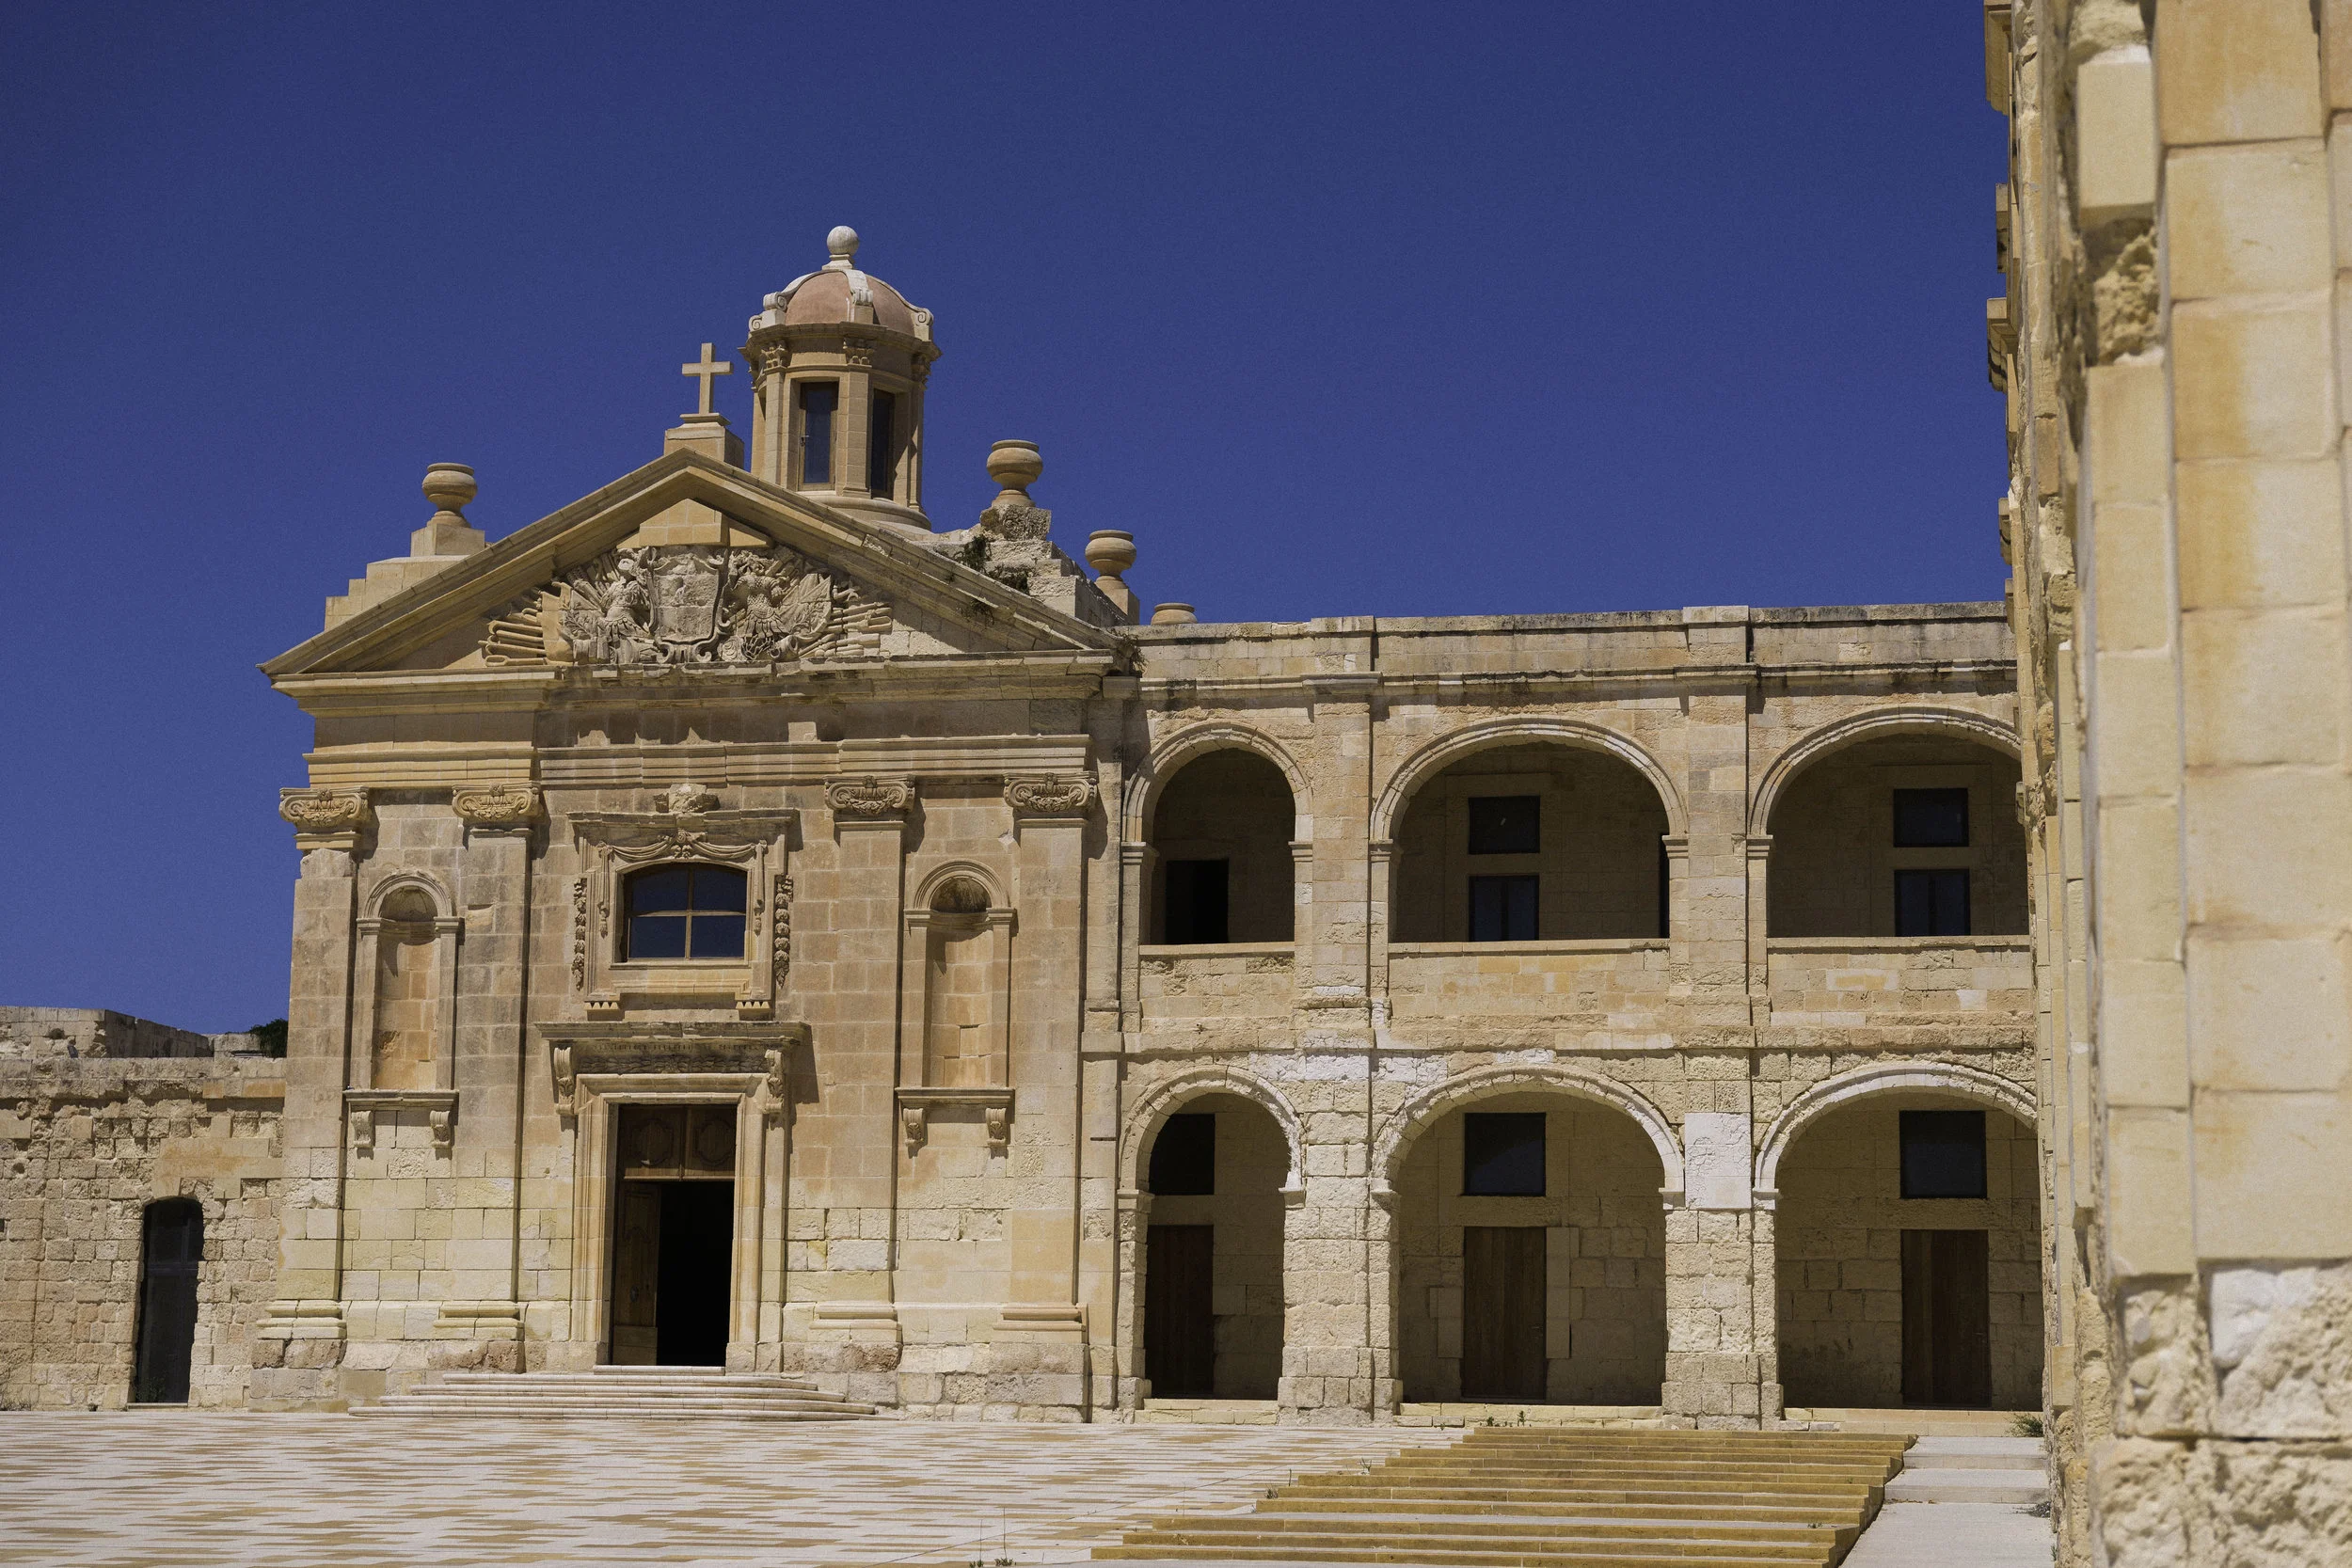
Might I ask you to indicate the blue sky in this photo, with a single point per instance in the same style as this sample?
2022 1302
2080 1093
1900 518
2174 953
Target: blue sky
1341 309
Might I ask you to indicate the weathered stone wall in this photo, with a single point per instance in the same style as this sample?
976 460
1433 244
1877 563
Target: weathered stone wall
85 1144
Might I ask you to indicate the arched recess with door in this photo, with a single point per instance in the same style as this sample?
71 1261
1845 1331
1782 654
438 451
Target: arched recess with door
1218 811
1528 831
1527 1240
1907 1240
171 1257
1210 1167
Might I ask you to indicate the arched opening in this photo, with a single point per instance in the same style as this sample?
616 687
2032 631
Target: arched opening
1530 1256
1223 871
404 1003
1213 1254
172 1252
1907 1237
961 1048
1900 837
1527 843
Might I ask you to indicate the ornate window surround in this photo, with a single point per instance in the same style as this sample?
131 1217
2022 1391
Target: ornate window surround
684 825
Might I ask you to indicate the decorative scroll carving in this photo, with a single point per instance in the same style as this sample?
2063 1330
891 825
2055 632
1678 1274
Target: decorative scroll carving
999 1125
500 806
579 933
915 1105
778 1061
914 1124
517 634
326 812
698 603
870 799
567 1081
685 799
444 1133
781 933
1067 795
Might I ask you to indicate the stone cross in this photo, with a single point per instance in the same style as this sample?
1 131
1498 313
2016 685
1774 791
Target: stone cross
706 368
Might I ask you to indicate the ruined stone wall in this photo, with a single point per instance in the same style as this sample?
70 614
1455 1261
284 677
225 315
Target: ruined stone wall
85 1144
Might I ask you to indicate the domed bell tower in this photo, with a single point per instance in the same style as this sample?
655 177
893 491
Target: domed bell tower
838 361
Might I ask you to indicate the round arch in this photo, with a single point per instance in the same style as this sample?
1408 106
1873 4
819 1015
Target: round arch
415 882
1875 725
1165 1099
1447 749
1168 757
941 875
1967 1082
1417 1114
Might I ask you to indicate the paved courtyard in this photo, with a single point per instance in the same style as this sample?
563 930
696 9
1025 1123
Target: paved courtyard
191 1490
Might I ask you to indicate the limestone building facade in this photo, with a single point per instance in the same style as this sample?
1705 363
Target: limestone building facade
741 922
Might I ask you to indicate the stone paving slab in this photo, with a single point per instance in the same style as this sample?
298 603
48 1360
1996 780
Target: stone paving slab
1953 1535
192 1490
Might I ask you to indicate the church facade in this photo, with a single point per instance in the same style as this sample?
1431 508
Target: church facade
742 922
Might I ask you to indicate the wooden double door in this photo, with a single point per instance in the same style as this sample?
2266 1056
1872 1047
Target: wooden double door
1506 1287
1948 1330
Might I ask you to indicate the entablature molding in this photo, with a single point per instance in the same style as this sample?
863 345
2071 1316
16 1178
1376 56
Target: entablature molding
606 1057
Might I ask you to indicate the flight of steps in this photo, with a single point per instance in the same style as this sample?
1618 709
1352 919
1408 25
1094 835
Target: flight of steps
1531 1497
637 1393
1973 1470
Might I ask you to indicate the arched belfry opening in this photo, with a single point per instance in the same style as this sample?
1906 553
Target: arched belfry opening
1213 1290
1223 869
1537 842
171 1256
1530 1256
1904 835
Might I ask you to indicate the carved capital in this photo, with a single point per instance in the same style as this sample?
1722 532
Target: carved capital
515 805
1063 795
869 800
326 818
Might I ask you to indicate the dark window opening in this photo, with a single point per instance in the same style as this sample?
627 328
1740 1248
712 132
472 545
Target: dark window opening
1503 909
881 447
1930 820
171 1252
1943 1153
817 402
1196 900
1505 824
1502 1154
1184 1156
1930 903
685 911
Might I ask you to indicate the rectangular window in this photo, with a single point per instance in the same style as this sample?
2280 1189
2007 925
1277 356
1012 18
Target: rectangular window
881 447
1502 1154
1184 1156
1505 824
1503 909
1943 1153
817 401
1930 820
1195 901
1930 903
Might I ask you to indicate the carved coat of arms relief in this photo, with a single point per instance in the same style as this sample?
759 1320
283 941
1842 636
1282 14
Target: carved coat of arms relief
698 603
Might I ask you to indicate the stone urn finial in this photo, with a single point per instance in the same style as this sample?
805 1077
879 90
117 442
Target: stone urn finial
1110 551
1014 465
449 487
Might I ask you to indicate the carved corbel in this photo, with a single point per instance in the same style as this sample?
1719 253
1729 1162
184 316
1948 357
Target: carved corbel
499 808
567 1081
444 1133
778 1061
913 1123
326 818
869 800
363 1129
999 1126
1066 795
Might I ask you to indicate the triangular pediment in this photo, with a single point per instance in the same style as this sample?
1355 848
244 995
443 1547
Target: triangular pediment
687 562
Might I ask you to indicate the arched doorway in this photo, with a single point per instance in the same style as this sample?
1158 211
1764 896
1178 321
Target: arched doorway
171 1250
1529 1247
1908 1243
1213 1287
1903 835
1222 868
1531 842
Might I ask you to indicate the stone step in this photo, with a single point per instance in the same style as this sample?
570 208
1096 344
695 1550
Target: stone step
1432 1525
434 1399
1978 1453
545 1413
1968 1486
1833 1508
631 1393
1917 1423
1446 1551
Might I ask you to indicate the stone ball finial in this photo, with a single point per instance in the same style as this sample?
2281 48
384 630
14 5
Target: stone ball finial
449 486
1015 464
1111 551
841 245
